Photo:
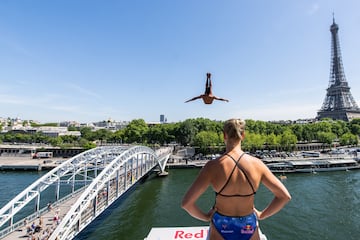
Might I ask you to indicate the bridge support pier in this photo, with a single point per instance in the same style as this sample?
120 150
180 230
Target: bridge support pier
162 166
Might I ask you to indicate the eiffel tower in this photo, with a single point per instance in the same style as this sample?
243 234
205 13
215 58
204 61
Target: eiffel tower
339 104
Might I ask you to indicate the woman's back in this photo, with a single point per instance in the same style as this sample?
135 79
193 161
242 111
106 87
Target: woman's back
235 177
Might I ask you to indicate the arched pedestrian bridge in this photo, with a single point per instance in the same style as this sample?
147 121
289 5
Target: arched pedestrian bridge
79 190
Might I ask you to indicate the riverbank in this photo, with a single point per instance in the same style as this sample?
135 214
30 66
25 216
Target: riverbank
26 163
270 161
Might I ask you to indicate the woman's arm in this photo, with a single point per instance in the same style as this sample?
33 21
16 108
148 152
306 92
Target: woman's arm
281 194
198 187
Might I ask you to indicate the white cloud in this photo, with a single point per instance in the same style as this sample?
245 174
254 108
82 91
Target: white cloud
82 90
314 8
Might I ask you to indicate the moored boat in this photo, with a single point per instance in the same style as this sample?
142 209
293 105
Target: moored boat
309 166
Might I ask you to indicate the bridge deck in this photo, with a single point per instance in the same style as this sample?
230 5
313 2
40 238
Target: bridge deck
48 223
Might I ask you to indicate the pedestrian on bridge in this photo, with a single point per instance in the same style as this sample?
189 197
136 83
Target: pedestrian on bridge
235 177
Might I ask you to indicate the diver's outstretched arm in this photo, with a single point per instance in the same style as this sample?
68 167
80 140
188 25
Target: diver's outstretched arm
221 99
200 96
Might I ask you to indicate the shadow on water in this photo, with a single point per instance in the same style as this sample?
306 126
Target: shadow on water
119 208
155 203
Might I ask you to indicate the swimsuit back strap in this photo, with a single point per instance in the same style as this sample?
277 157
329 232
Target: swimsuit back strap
246 176
236 165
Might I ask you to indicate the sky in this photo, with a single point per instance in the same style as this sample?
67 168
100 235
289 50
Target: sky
89 61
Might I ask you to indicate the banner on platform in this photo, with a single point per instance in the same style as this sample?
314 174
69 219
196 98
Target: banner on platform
178 233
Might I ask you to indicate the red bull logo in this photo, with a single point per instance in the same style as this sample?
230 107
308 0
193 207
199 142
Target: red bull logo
247 229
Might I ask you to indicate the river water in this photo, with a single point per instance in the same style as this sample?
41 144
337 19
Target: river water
323 206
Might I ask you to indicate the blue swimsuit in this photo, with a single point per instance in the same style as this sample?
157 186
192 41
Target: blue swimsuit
229 227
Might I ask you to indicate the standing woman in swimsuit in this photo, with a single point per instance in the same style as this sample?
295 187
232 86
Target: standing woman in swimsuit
235 178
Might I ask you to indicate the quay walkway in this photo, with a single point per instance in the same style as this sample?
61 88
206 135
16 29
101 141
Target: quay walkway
25 162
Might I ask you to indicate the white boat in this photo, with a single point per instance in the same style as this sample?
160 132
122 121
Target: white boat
311 166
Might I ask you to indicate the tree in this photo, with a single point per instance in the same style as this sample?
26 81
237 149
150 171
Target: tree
72 128
158 134
309 133
288 140
339 127
323 126
348 139
354 126
102 135
327 138
298 130
253 141
206 139
186 132
118 136
272 140
56 141
87 145
135 131
87 133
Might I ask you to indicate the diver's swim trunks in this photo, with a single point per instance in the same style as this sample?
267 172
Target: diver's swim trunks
231 228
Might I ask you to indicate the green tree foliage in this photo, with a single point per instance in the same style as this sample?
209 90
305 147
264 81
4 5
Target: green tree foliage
354 126
348 139
44 124
135 131
327 138
88 145
253 141
205 134
206 139
87 133
288 140
186 132
272 140
117 137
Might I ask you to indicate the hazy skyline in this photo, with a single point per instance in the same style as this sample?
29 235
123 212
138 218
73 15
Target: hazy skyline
88 61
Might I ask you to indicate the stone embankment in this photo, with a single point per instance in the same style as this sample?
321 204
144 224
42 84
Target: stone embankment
21 163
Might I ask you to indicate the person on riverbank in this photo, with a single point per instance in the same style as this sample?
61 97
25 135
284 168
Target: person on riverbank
235 177
208 96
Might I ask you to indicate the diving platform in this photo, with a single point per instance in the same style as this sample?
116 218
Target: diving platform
176 233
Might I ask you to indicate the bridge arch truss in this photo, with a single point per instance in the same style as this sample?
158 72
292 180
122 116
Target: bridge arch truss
96 178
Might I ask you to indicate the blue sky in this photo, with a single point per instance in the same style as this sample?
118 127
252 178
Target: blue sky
89 61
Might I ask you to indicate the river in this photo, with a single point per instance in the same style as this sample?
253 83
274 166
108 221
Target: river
323 206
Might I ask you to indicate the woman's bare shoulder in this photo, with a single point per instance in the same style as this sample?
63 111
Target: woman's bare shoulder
256 162
213 165
254 159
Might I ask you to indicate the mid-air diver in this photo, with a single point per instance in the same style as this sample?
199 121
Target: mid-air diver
208 97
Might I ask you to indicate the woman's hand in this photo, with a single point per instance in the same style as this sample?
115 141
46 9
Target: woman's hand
211 213
258 213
